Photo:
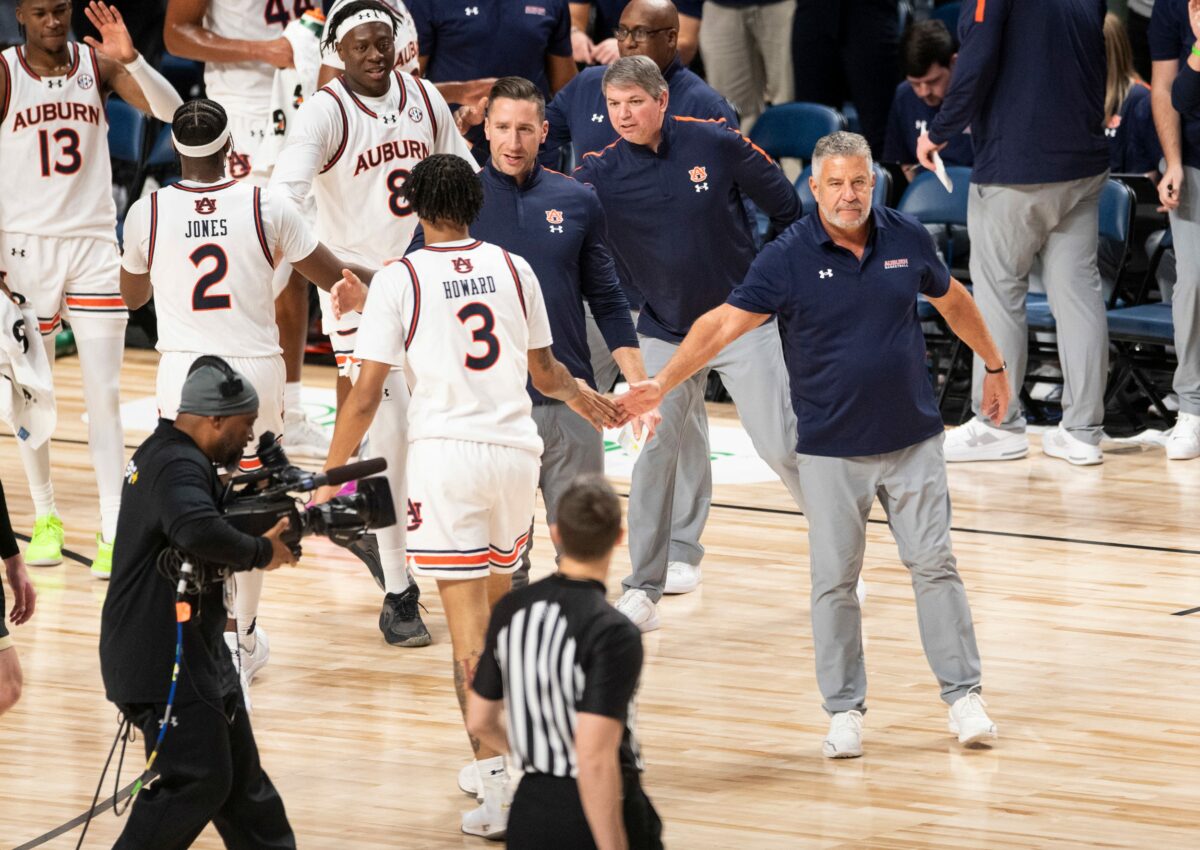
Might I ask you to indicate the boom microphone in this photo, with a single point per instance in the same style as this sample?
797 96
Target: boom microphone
350 472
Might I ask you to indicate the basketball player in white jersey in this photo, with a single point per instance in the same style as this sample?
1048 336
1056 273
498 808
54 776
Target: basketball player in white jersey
58 243
466 321
241 44
407 48
353 145
207 247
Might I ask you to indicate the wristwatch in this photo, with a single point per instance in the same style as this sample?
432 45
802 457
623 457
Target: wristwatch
1003 368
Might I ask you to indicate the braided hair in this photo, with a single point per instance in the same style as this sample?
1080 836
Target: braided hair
352 8
199 122
443 187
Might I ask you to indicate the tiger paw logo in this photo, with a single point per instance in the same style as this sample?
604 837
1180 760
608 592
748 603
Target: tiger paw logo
462 265
698 174
206 206
414 515
555 217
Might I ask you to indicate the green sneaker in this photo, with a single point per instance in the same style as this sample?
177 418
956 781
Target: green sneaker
102 563
45 548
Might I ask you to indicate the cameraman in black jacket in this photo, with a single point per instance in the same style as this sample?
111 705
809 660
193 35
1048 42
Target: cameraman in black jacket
208 764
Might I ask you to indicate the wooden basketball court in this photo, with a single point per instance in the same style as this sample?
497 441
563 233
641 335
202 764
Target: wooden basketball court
1075 576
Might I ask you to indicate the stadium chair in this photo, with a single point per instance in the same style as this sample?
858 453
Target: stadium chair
126 140
186 75
161 161
948 15
793 129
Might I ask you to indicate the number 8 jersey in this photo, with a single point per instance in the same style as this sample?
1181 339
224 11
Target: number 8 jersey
460 318
210 249
54 150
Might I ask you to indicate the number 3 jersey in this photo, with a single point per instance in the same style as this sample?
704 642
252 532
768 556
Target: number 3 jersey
54 150
210 249
460 318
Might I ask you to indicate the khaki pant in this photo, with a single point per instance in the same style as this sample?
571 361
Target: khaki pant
748 55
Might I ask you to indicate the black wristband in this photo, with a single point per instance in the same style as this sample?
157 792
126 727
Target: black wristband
1003 367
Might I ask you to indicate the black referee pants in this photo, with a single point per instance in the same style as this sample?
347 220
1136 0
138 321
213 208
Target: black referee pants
208 771
547 814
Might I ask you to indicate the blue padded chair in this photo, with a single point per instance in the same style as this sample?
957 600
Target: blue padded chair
162 152
948 15
793 129
126 131
186 75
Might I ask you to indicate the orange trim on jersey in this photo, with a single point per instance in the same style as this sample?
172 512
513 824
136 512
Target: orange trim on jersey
7 88
428 106
153 229
507 559
343 359
516 280
598 153
698 120
47 326
979 7
452 248
203 189
480 560
258 226
345 130
95 302
416 313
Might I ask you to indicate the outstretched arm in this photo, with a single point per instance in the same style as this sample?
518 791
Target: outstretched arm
123 70
959 310
551 379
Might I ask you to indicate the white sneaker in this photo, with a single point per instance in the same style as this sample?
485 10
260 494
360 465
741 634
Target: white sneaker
1184 442
978 440
844 740
487 821
682 577
304 438
969 721
861 591
636 605
1062 444
250 662
469 781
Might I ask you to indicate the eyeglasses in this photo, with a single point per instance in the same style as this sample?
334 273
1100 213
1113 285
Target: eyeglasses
639 34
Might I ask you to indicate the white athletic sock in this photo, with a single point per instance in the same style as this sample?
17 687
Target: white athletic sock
247 592
292 406
494 779
100 362
396 578
37 472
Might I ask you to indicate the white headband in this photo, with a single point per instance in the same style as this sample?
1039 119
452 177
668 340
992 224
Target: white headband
367 16
201 150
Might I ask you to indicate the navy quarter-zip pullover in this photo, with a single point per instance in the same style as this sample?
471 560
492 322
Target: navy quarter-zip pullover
1029 81
677 225
579 113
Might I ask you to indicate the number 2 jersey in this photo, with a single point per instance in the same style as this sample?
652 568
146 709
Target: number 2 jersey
460 318
54 150
211 250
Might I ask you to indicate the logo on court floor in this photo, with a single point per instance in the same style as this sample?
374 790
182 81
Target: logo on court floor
206 206
462 265
414 515
824 273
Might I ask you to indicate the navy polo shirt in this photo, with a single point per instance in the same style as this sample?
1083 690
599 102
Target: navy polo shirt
677 224
909 117
854 349
1132 139
1171 37
579 113
557 224
473 39
1029 82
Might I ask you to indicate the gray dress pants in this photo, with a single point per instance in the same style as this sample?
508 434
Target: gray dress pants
753 371
1185 300
1011 226
911 486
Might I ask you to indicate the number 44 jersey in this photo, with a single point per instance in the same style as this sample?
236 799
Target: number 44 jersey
211 249
460 318
54 150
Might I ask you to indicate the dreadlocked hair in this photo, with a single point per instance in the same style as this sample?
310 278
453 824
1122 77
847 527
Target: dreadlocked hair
331 26
444 188
199 122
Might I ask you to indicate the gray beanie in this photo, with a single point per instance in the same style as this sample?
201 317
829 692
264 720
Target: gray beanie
213 388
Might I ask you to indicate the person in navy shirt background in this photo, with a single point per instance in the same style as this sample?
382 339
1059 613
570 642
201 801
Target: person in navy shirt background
663 173
1128 122
927 57
844 281
596 45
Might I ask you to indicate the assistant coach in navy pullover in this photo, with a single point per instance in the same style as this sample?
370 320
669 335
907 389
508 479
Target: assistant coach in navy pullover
1030 82
672 193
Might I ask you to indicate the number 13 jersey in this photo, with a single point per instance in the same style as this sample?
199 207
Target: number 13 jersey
54 150
460 318
210 249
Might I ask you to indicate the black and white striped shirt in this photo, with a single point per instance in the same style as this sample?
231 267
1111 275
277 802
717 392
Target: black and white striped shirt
554 649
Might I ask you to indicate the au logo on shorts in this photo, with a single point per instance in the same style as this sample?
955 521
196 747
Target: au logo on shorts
462 265
414 515
206 206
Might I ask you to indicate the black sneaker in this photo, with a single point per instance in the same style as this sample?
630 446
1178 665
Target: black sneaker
367 550
400 619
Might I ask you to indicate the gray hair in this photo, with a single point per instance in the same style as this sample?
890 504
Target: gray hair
640 71
840 143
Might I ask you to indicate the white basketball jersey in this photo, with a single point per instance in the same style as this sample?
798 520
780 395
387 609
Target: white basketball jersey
54 150
359 208
407 50
246 86
211 266
460 319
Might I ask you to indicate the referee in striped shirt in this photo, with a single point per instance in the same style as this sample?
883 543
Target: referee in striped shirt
562 666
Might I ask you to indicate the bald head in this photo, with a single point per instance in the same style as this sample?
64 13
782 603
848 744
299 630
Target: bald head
658 21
